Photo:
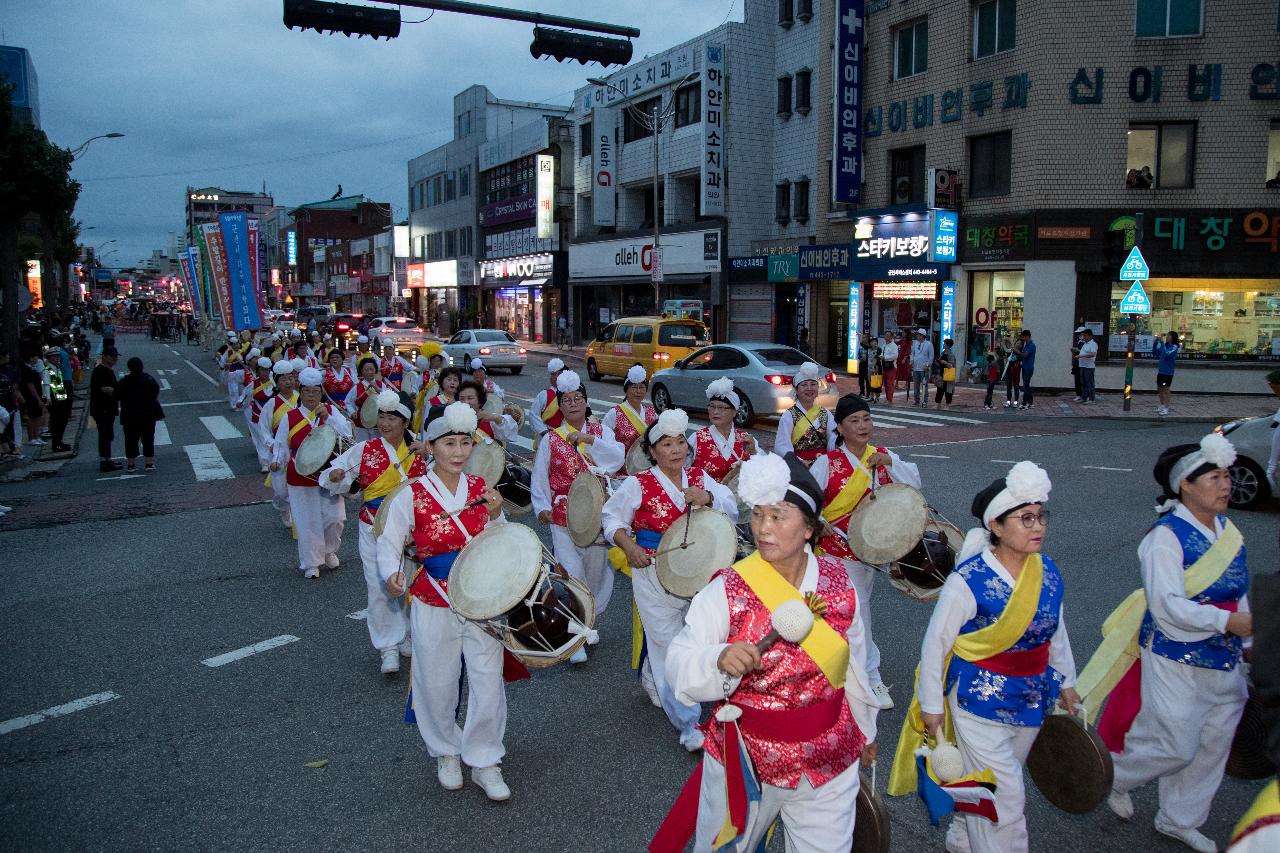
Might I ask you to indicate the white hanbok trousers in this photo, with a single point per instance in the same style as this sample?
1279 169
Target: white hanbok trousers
662 615
388 623
259 444
318 517
235 387
814 820
862 579
280 492
589 565
441 641
1182 736
1003 748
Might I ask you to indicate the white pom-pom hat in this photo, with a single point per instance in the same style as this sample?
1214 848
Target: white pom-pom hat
568 381
808 372
458 419
763 480
1026 483
555 365
722 389
390 401
310 377
670 422
282 367
478 364
264 362
636 375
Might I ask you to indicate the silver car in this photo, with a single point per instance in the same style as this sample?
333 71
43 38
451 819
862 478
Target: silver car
761 375
494 347
1251 438
402 332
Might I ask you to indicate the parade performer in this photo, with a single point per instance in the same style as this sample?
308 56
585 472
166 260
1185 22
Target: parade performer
634 519
256 394
1170 660
628 420
449 380
369 384
338 378
318 517
427 388
845 477
361 352
439 514
480 376
544 409
232 364
719 448
995 657
802 713
302 350
378 465
393 367
273 412
500 428
806 427
568 450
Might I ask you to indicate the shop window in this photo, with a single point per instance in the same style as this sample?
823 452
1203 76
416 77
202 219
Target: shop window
784 96
1273 156
994 26
990 164
804 82
906 175
997 302
688 100
800 192
786 14
1161 155
635 126
586 139
782 203
1218 319
1169 18
911 55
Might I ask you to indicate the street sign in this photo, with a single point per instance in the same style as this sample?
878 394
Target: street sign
1135 301
655 268
1135 267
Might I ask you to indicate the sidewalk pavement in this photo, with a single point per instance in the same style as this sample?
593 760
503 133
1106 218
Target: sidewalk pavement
1185 408
43 461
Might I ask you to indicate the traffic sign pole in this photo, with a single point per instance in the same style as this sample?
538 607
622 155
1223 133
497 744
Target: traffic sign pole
1133 318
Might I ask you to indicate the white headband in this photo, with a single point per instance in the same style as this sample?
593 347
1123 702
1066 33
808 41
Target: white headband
671 422
1026 483
1215 449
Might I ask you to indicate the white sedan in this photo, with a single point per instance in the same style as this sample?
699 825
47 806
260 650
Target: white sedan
494 347
1252 440
402 332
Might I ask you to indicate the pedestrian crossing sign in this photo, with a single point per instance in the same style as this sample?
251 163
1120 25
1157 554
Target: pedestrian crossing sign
1135 301
1135 267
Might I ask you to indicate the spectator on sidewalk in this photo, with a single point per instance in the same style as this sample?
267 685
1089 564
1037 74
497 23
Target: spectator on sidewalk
904 363
946 367
992 374
108 333
59 401
1166 352
1012 374
10 402
34 402
889 355
1027 358
1077 339
139 396
922 357
104 405
875 369
1087 353
804 344
864 369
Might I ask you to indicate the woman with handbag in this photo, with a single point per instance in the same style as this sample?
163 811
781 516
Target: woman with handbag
139 396
875 369
946 366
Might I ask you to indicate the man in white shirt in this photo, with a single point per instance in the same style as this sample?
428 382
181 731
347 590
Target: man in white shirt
922 356
1087 355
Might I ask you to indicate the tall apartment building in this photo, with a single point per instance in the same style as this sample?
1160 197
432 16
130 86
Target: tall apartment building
205 203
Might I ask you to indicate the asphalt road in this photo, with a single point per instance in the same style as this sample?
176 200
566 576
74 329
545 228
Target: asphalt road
124 587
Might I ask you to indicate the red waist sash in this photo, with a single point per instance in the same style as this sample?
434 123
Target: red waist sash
793 725
1018 662
807 456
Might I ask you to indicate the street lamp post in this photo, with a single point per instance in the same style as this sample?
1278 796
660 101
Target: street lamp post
83 146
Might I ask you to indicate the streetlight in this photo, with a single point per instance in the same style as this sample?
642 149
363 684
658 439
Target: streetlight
99 249
80 149
653 122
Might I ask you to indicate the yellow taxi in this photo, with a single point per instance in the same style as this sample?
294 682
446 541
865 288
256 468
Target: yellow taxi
652 342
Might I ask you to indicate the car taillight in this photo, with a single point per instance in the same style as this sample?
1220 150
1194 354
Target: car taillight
418 330
776 379
662 356
831 377
485 350
342 327
523 351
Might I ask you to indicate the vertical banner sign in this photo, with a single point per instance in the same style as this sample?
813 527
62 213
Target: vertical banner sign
546 198
855 326
604 191
256 263
948 311
193 287
216 255
713 130
846 157
199 295
292 247
212 308
240 285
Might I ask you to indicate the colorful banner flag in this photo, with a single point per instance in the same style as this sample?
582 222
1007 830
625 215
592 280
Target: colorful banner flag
256 262
237 268
189 279
216 257
199 280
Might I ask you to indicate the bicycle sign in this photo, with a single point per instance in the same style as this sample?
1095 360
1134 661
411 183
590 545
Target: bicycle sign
1135 301
1135 267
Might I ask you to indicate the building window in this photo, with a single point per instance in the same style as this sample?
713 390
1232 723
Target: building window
1273 156
688 105
466 242
464 182
994 26
451 244
1157 19
786 14
435 246
990 159
450 186
429 194
586 138
912 53
462 124
1161 155
633 128
801 194
804 82
784 96
1217 319
782 203
906 175
804 10
437 188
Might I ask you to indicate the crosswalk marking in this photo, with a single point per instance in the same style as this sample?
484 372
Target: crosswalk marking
1104 468
208 463
164 384
162 434
219 427
877 417
521 441
879 424
56 711
212 381
934 416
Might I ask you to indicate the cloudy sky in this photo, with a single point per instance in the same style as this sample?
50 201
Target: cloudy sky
219 93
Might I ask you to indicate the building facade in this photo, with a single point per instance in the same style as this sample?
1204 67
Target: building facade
309 272
203 205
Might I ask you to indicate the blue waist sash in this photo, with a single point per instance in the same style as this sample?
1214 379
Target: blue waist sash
373 504
648 538
438 565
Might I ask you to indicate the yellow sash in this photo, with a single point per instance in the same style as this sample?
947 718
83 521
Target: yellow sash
564 430
1119 648
279 411
306 421
1267 804
389 478
852 491
550 409
636 421
810 421
975 646
824 646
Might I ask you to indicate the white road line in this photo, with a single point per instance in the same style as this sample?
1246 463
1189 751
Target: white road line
928 413
917 422
972 440
1006 461
208 463
927 456
264 646
219 427
886 424
212 381
162 434
1104 468
521 441
359 615
164 384
56 711
196 403
121 477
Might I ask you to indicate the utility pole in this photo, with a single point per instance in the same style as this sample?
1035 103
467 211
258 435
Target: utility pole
1133 320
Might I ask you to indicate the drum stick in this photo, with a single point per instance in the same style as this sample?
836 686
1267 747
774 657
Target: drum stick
666 551
472 505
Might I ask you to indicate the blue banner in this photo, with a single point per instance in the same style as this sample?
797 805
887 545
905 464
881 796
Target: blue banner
240 284
198 293
855 326
948 310
189 279
846 114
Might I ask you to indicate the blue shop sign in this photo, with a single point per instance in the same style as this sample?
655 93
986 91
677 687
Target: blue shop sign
945 232
895 247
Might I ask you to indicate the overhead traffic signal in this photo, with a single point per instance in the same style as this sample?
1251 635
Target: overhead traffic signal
342 18
562 44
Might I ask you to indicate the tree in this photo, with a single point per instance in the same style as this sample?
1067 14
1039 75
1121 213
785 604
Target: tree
35 180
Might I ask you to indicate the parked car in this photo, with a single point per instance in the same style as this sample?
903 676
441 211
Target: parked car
652 342
283 322
403 332
761 375
1251 438
304 315
494 347
343 327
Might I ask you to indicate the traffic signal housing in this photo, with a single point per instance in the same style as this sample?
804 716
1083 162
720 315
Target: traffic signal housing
562 44
342 18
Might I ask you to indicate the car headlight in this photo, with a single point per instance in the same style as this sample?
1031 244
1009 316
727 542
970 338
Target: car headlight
1230 426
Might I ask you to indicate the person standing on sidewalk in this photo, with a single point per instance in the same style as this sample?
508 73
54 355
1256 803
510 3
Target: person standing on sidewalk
1028 362
889 354
946 375
1087 354
1076 341
139 397
1012 373
31 388
922 356
1167 353
104 405
59 398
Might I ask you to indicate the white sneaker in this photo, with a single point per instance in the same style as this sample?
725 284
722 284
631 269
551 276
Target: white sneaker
650 688
1121 803
692 740
390 661
449 772
312 572
579 657
490 778
286 518
331 560
405 649
1077 399
1193 838
37 442
882 698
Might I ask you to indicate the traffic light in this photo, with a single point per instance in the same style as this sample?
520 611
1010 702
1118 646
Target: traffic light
341 18
562 44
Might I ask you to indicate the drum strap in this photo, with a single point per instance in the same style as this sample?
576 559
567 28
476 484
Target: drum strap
564 431
807 421
851 493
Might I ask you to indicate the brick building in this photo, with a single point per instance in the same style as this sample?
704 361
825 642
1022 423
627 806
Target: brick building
315 227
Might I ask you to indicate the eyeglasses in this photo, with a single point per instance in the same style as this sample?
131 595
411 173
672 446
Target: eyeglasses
720 407
1031 519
